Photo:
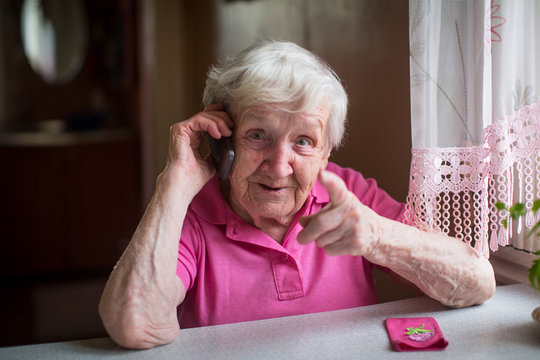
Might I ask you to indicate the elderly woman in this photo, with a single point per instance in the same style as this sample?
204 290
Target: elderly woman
287 232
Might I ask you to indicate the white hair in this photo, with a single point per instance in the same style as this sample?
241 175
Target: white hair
273 72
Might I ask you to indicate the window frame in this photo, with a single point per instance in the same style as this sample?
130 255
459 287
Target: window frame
511 265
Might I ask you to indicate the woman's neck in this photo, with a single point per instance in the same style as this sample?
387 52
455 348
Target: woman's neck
272 228
275 228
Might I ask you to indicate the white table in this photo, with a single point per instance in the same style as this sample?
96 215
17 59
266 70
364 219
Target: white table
502 328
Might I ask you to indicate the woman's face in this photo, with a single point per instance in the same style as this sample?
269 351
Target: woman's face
278 156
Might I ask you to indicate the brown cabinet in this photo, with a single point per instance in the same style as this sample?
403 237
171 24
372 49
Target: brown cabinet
69 203
67 208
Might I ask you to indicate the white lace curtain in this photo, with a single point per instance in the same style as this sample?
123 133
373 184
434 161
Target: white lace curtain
475 76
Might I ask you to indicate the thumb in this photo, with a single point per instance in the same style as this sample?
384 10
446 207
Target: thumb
178 142
337 190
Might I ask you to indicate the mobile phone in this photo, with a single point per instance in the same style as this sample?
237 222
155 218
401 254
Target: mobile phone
222 152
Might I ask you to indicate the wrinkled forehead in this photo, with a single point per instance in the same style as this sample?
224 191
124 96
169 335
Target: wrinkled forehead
317 115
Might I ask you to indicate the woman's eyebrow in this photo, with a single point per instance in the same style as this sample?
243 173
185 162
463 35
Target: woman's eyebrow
312 121
254 116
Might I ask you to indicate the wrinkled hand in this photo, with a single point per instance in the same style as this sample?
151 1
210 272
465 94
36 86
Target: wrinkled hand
345 225
184 159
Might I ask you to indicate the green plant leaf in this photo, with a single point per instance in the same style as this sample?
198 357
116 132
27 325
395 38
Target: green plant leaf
516 207
517 210
501 206
534 228
536 206
534 274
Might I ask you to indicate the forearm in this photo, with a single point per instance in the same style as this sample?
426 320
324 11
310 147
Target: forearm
138 306
443 267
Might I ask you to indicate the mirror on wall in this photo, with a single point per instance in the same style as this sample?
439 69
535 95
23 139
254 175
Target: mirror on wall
55 38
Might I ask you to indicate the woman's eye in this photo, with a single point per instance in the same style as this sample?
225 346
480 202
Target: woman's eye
302 142
256 135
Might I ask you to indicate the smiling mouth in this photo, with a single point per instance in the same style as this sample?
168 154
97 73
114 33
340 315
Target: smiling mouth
269 188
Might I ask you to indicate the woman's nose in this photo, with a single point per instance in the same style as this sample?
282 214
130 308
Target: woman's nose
278 160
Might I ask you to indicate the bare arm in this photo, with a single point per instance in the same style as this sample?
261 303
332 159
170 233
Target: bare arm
444 268
139 301
138 305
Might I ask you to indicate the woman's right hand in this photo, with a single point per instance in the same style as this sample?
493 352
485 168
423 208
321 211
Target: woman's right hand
139 302
184 161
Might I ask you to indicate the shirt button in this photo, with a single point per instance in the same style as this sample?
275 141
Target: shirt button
285 257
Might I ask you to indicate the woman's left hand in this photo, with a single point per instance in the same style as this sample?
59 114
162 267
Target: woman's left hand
345 225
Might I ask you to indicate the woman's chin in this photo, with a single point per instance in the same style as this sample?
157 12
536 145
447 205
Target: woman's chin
281 213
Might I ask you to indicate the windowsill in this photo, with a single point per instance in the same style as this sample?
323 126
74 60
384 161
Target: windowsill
511 266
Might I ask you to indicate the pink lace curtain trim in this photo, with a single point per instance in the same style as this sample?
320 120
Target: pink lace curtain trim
454 190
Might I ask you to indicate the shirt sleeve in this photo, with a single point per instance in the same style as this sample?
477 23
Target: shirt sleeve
189 250
369 194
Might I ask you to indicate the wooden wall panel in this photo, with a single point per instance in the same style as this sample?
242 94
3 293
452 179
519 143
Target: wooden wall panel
366 42
240 23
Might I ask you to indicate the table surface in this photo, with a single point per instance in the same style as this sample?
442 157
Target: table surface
501 328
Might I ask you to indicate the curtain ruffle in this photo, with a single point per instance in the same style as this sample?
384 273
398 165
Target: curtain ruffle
454 190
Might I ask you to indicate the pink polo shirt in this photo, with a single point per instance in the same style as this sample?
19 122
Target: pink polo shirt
234 272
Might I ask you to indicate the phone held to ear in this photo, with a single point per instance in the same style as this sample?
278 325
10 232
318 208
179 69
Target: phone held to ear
222 152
